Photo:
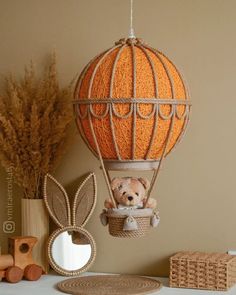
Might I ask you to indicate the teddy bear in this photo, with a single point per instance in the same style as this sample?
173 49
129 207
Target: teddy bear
130 192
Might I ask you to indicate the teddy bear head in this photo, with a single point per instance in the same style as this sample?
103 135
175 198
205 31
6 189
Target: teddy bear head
129 191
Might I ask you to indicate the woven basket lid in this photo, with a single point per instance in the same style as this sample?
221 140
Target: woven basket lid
131 70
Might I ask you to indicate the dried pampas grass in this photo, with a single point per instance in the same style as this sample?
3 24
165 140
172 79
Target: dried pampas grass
35 117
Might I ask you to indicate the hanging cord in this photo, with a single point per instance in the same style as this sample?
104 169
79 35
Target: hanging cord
131 30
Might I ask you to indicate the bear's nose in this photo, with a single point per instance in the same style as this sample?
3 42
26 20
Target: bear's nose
130 198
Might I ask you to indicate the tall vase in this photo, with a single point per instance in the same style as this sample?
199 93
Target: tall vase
35 222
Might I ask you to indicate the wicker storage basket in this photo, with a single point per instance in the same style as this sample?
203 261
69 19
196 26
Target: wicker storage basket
196 270
117 217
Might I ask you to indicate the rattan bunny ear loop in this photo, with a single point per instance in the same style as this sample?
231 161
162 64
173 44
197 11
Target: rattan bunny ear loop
94 108
58 206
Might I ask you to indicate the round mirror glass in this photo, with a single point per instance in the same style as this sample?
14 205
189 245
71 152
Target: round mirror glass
71 250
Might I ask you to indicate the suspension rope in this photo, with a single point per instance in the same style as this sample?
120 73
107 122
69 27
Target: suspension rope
131 30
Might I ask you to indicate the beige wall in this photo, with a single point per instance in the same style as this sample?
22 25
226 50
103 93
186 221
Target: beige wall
196 189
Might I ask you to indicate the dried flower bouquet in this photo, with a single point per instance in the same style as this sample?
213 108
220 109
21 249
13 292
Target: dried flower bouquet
35 117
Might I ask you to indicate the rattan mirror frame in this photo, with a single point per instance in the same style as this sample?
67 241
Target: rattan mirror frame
51 260
66 216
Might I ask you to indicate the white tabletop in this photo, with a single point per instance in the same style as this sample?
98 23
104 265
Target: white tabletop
47 286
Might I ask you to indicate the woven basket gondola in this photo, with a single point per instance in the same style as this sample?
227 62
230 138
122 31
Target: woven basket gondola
116 219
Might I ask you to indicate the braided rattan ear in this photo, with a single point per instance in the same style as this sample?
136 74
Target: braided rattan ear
85 201
57 201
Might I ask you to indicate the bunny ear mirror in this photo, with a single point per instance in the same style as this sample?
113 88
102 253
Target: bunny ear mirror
71 249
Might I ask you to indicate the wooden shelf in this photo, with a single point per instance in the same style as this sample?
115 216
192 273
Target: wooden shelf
46 285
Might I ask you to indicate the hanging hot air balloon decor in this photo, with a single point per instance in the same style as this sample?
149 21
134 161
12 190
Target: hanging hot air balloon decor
132 108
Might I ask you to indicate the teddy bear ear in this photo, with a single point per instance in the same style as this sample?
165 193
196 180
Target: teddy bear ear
115 183
145 182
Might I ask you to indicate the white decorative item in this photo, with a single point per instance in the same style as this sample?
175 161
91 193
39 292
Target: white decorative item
103 217
155 220
130 223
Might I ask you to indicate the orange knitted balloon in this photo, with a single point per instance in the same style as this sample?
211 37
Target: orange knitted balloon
128 62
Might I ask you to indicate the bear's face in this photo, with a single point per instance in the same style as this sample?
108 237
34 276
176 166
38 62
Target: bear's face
129 191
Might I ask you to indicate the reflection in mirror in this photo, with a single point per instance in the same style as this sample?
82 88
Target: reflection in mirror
71 250
78 238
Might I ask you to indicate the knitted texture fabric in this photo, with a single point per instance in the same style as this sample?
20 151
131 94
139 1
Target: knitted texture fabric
169 86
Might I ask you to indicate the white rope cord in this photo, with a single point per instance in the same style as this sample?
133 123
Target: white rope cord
131 31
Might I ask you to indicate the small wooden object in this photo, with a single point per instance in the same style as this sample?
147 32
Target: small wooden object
6 260
197 270
19 261
2 274
33 272
14 274
21 249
